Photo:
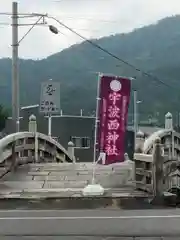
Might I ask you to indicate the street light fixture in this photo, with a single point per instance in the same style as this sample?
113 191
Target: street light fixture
30 107
53 29
25 108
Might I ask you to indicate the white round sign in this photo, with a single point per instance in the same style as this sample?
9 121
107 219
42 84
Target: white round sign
115 85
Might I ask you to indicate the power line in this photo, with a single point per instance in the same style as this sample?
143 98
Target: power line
91 19
24 14
79 29
156 79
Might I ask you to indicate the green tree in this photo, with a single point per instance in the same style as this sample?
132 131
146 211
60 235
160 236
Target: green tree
3 117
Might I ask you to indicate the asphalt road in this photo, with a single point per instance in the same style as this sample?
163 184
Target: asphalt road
85 238
50 224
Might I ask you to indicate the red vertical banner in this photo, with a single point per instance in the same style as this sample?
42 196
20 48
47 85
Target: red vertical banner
114 94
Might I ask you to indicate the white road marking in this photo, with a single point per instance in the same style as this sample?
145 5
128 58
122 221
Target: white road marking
79 210
33 211
49 210
90 217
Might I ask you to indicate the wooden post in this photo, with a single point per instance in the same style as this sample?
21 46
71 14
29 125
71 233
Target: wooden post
157 171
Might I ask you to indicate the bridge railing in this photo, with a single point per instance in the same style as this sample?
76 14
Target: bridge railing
149 170
28 147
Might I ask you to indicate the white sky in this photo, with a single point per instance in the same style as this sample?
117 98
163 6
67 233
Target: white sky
91 18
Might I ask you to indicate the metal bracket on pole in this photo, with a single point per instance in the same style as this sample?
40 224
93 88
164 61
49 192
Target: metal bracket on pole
32 26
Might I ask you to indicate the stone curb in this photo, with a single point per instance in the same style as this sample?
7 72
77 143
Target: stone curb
65 195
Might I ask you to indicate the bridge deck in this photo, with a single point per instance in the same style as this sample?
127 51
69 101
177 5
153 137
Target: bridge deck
51 180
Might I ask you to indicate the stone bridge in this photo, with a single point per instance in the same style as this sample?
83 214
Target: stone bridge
34 165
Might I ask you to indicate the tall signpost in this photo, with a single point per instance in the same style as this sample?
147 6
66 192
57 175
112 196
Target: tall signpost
50 101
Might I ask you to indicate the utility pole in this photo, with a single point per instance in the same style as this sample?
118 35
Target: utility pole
15 71
15 65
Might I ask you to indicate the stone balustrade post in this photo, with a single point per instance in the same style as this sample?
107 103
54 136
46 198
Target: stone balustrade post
32 123
157 170
71 151
33 128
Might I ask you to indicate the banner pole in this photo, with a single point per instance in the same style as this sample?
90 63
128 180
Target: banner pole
96 125
135 117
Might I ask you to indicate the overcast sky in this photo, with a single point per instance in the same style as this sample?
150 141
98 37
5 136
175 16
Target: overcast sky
91 18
